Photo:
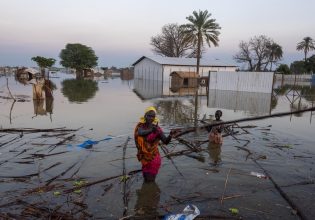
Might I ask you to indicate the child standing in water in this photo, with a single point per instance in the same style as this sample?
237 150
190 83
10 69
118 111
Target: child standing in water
215 135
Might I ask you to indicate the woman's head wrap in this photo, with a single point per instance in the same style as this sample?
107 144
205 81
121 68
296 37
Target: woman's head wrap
151 108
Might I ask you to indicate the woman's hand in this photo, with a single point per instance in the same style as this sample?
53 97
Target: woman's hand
174 133
154 128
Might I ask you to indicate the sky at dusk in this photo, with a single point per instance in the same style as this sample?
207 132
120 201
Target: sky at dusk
119 31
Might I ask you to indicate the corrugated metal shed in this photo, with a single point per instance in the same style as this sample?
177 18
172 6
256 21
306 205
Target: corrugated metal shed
154 68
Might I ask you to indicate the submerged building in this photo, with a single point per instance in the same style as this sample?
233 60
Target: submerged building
166 76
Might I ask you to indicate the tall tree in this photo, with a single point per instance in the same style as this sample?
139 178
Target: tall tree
307 44
298 67
275 53
79 57
258 53
310 64
43 62
201 29
171 42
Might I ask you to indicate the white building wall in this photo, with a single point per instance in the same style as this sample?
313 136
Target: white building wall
148 69
242 81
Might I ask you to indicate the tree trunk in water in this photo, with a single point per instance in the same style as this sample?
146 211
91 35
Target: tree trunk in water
197 68
42 71
79 74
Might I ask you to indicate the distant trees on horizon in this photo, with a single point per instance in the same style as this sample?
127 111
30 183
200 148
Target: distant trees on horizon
260 53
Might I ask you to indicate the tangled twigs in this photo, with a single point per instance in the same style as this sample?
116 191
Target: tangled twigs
226 180
35 130
98 181
281 114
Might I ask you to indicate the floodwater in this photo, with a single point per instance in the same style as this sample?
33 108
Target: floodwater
37 168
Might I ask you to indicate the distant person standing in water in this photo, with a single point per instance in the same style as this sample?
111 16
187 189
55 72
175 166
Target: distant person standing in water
216 140
215 135
147 138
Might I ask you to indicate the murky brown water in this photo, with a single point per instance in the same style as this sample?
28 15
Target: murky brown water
281 147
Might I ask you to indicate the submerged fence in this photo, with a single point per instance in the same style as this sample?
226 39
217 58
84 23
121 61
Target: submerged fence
294 77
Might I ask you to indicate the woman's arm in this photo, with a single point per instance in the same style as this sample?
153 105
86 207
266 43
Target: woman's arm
165 139
144 131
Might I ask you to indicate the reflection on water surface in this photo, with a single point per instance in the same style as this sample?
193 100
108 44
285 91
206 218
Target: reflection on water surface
113 105
110 107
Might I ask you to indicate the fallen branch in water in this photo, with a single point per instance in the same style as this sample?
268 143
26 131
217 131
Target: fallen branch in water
98 181
21 177
125 179
35 130
44 155
226 180
244 149
300 183
209 126
61 174
170 158
9 141
12 97
189 145
61 142
48 168
178 153
282 193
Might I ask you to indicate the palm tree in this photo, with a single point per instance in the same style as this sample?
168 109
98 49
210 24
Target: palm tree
275 53
201 29
306 45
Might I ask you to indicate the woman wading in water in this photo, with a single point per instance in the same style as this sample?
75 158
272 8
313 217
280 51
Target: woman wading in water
148 135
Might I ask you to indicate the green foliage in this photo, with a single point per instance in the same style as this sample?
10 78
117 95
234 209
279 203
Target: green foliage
298 67
310 64
78 56
260 52
79 90
306 45
308 92
275 53
283 69
43 62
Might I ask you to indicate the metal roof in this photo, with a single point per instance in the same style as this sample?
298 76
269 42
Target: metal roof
179 61
182 74
31 71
